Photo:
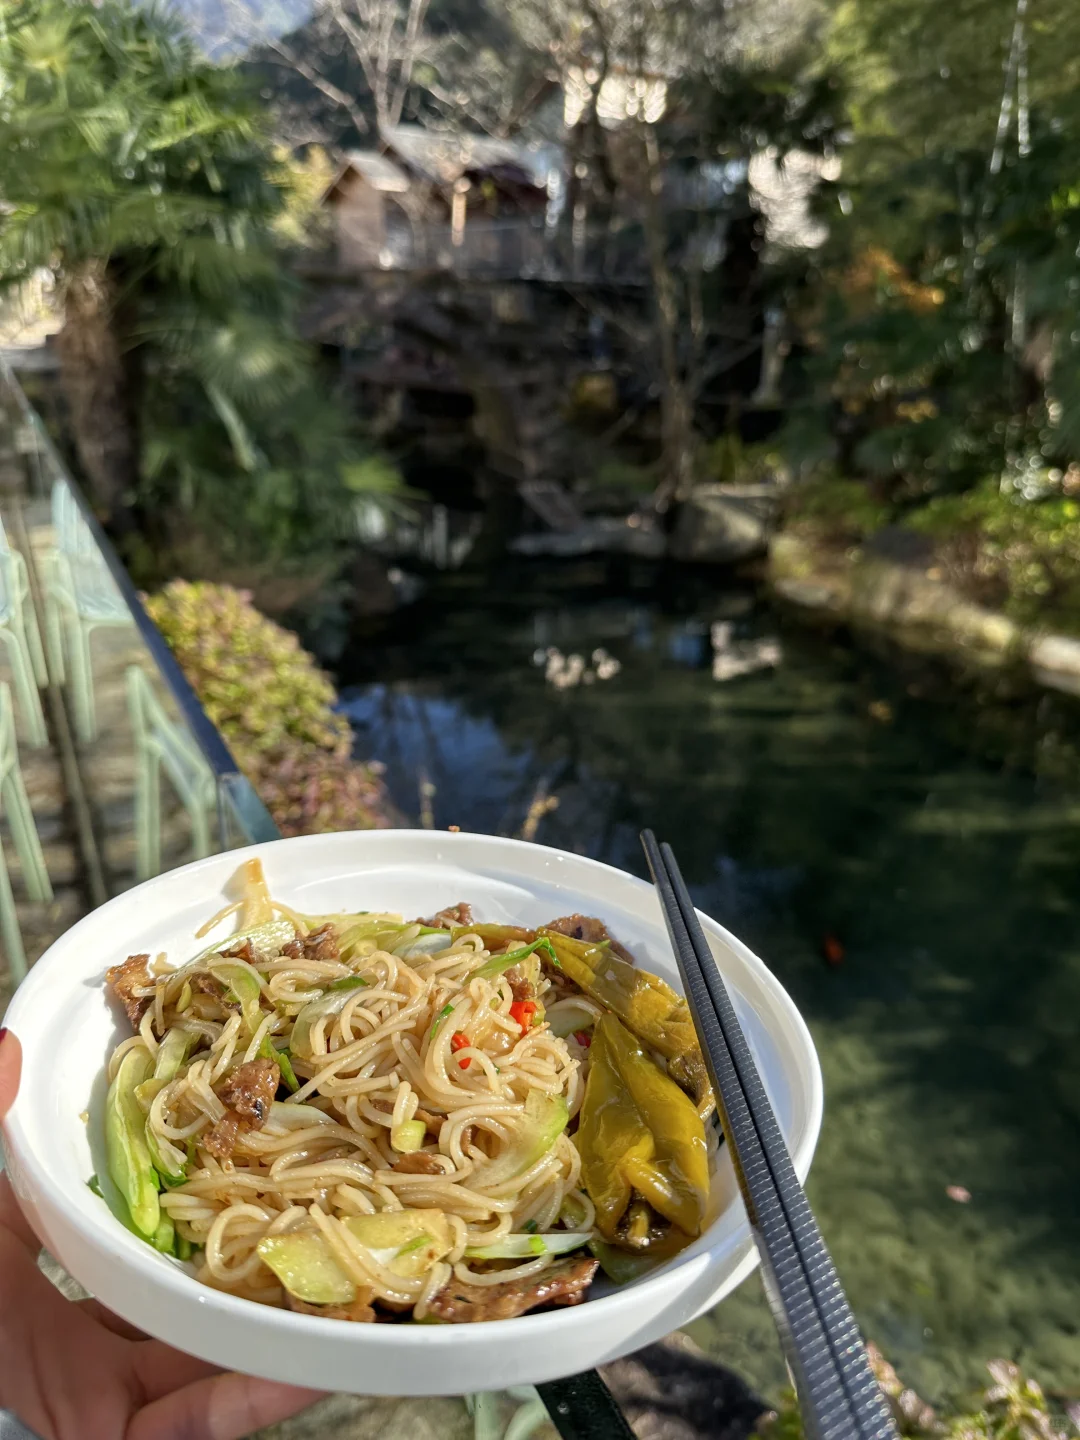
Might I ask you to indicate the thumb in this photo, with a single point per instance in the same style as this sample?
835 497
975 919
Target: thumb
223 1407
10 1069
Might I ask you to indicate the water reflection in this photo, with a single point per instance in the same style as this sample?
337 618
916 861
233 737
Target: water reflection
907 867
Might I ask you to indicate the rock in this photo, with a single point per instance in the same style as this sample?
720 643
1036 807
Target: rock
734 658
673 1391
722 524
901 546
1056 662
810 593
924 611
602 535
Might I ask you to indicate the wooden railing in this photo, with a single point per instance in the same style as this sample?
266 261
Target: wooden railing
502 249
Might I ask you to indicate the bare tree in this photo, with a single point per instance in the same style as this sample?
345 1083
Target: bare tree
388 42
614 60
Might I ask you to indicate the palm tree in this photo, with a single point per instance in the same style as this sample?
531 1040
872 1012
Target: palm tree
139 174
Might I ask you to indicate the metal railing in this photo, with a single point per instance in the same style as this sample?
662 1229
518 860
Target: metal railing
86 591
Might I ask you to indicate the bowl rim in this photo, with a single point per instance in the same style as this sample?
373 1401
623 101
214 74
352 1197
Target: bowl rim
101 1233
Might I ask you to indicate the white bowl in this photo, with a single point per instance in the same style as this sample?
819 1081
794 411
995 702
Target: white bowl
68 1027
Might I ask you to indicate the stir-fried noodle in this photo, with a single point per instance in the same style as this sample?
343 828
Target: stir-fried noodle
355 1111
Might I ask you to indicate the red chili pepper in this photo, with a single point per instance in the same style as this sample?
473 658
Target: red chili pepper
523 1011
458 1041
583 1038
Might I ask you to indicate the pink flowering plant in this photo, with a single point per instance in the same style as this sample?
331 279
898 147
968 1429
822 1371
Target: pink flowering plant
274 707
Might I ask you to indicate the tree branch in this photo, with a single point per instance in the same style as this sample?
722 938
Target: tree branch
288 56
360 47
413 25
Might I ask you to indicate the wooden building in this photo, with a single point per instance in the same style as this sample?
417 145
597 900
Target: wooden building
440 199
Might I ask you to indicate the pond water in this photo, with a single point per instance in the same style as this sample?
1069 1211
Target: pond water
902 848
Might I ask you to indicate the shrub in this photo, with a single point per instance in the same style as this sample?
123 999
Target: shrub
308 791
1012 1408
835 511
274 707
1008 550
730 461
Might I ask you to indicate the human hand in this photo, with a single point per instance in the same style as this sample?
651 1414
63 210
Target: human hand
74 1371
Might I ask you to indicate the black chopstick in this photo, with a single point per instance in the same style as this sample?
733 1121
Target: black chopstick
841 1329
839 1396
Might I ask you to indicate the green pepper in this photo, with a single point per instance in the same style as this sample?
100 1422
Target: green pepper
129 1160
619 1265
639 1132
106 1190
645 1005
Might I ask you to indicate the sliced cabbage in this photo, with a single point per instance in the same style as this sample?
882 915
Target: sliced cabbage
268 939
546 1117
407 1242
267 1051
351 929
171 1054
130 1167
528 1247
296 1117
408 1136
306 1266
330 1002
430 943
169 1161
245 986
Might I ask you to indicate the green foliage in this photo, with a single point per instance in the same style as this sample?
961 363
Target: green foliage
945 318
1012 1408
304 222
117 137
731 462
374 476
1022 553
738 107
616 474
121 145
274 707
313 791
916 69
835 510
